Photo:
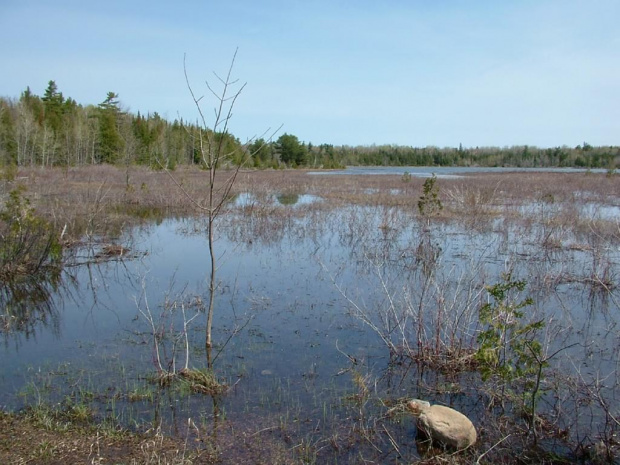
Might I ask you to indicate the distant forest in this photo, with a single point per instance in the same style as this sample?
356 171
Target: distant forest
54 130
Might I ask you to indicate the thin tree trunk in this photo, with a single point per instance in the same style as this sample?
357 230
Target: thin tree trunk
212 280
209 343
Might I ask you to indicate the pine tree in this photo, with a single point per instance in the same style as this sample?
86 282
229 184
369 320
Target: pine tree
292 152
110 141
53 103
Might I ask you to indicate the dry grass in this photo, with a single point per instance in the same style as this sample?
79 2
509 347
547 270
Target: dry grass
43 439
98 199
550 207
93 198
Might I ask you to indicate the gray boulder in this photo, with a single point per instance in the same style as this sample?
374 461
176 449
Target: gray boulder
443 424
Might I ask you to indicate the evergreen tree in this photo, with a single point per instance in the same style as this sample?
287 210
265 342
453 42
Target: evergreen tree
111 143
291 151
53 104
261 152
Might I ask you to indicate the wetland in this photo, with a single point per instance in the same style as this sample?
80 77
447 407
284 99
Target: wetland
339 298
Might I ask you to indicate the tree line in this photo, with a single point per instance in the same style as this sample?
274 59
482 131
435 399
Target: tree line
52 130
525 156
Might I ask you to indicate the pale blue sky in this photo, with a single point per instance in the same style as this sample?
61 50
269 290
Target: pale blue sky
435 72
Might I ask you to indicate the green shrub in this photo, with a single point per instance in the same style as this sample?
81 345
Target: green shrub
28 244
509 347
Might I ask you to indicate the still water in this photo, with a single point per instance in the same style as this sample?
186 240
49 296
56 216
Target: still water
304 307
442 171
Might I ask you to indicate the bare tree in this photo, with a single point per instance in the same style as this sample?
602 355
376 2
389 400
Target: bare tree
216 154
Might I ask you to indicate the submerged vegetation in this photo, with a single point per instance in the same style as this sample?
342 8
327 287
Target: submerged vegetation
340 298
497 297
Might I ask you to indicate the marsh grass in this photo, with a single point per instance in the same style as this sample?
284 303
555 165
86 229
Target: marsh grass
95 200
141 393
203 381
365 424
46 435
423 306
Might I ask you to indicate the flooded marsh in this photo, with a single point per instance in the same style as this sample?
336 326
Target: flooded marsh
338 299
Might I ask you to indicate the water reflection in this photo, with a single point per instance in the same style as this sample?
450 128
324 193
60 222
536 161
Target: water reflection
250 200
288 199
29 302
285 326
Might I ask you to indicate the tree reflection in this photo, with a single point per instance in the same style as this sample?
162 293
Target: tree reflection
27 303
288 199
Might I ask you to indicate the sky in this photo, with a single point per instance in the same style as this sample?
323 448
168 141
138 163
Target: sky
417 73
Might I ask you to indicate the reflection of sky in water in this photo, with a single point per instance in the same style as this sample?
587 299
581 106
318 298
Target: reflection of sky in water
284 291
587 211
440 171
604 212
247 199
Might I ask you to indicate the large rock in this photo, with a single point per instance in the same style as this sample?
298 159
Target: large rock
443 424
